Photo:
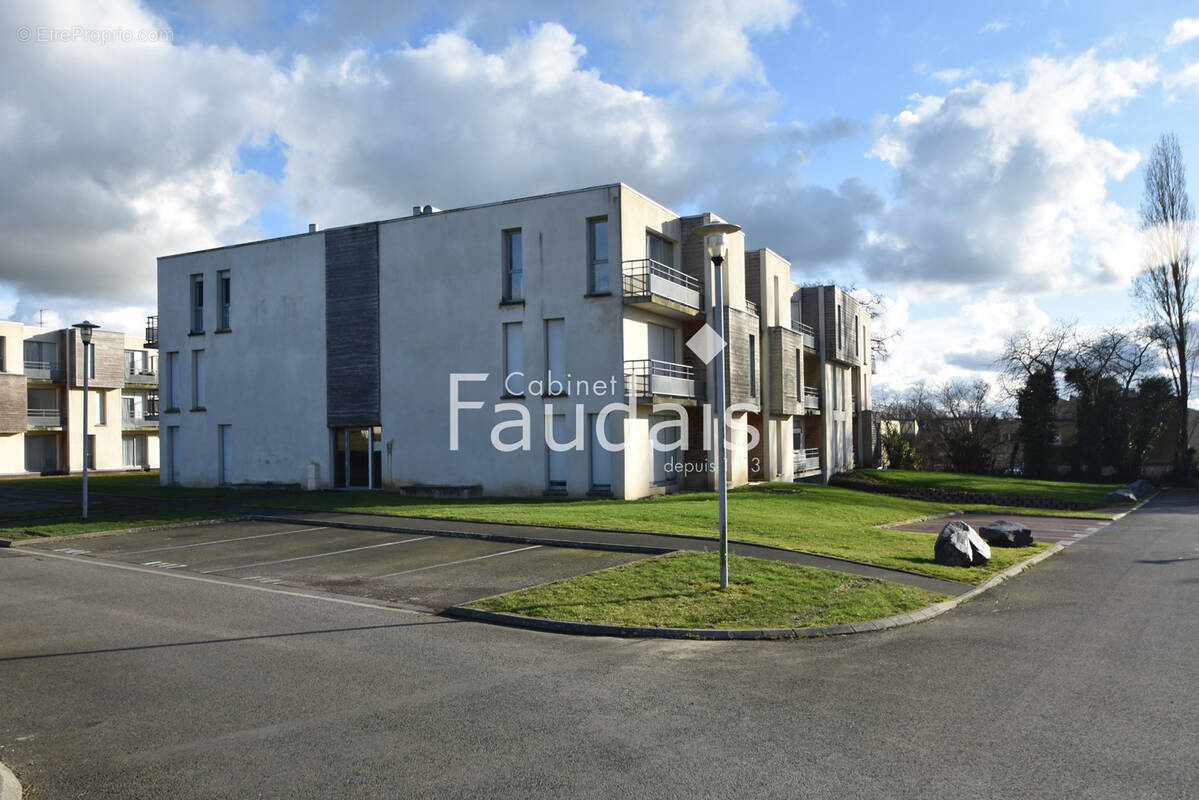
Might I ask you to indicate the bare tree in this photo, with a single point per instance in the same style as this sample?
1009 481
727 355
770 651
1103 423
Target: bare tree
1163 286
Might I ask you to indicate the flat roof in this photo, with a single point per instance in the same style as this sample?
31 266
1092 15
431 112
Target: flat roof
419 216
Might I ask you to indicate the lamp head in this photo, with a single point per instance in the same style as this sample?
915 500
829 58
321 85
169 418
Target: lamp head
715 234
85 330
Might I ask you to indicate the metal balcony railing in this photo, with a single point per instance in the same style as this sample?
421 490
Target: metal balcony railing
648 377
811 398
145 421
806 332
645 278
807 460
44 417
152 332
141 375
44 370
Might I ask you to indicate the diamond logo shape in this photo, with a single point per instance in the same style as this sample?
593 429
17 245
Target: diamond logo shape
706 343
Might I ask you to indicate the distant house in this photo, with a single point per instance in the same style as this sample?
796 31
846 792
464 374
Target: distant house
41 401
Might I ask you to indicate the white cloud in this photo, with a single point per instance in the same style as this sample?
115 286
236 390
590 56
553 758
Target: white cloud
997 185
1000 25
952 75
116 155
1183 30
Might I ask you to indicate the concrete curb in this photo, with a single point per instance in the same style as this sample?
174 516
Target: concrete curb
195 523
751 634
10 787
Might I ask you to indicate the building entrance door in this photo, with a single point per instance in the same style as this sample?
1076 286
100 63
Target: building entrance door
357 460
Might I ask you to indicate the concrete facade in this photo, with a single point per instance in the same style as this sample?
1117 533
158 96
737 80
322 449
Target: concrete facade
474 350
41 401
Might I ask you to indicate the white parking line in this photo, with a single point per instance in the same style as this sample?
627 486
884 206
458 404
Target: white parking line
463 561
315 555
163 564
219 541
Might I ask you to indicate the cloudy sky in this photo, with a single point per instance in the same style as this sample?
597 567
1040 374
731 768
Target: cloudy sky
978 164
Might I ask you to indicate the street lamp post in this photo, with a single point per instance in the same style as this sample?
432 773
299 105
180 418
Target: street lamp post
85 336
714 234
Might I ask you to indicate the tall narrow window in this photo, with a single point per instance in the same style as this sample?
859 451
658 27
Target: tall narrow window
173 454
661 343
597 255
514 359
91 451
513 266
89 360
197 304
225 446
555 355
555 465
601 458
753 366
665 457
799 374
224 285
172 382
840 340
101 408
199 396
3 344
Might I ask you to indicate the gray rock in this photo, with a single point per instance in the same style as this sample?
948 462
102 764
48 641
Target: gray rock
959 545
1003 533
1121 496
1140 487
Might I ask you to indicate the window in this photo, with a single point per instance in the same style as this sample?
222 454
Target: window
89 360
513 266
555 461
132 408
3 344
660 249
135 362
555 355
799 375
101 408
661 343
665 461
197 304
198 381
514 359
840 341
41 356
91 451
753 366
601 458
597 255
172 384
225 448
41 453
133 450
173 453
223 286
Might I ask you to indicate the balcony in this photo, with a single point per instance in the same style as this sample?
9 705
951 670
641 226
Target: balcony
806 332
656 287
647 378
807 461
811 398
44 371
44 418
141 376
751 307
136 422
152 332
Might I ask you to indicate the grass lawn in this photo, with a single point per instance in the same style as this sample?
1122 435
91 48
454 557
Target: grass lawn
133 484
681 590
104 521
1090 493
817 519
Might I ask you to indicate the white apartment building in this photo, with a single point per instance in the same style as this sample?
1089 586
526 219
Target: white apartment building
41 401
526 347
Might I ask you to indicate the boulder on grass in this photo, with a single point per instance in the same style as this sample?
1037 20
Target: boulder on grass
959 545
1121 496
1140 487
1003 533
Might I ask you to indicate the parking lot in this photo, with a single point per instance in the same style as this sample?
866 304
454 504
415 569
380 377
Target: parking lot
424 572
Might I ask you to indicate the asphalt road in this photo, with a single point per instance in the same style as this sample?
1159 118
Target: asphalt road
1076 680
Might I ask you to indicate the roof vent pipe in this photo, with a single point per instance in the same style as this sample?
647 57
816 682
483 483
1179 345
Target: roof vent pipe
312 227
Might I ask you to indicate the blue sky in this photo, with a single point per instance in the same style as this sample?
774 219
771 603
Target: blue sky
978 165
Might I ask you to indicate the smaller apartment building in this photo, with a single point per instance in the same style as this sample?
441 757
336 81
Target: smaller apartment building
526 347
41 401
